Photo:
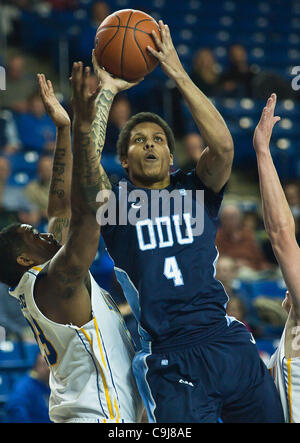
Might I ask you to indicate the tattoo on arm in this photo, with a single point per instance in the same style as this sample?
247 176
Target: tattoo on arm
88 176
58 179
59 228
99 125
59 203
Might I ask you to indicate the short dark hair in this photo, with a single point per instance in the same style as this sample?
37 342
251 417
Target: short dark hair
124 136
11 245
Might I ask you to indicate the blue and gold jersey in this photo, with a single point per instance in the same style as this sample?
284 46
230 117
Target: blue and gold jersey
165 255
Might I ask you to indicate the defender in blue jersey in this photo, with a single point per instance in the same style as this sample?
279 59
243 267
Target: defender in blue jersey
196 363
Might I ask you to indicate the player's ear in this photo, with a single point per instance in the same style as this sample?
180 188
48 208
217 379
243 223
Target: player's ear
171 160
25 260
124 162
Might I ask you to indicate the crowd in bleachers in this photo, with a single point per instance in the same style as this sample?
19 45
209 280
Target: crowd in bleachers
237 53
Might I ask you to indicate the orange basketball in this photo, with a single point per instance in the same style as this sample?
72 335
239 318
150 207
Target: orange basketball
121 44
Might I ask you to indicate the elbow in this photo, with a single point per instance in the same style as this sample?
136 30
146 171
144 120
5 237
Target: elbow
225 149
282 239
228 146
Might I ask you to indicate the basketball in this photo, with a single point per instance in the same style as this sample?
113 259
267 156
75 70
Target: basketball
121 44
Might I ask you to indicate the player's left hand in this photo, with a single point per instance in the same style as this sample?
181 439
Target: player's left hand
54 109
107 81
167 55
263 130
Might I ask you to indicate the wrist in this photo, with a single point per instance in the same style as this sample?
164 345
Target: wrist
108 87
262 150
64 127
82 125
180 76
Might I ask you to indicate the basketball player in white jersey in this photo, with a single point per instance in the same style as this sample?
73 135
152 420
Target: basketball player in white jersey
279 224
79 330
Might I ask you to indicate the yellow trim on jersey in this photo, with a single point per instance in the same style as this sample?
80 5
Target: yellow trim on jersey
289 363
103 378
117 409
99 342
37 268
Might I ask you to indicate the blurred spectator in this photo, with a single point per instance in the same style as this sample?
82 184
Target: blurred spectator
119 114
205 72
29 400
191 150
86 41
292 192
62 5
9 140
237 80
266 82
14 207
12 319
226 273
239 243
237 309
18 85
291 189
35 126
37 191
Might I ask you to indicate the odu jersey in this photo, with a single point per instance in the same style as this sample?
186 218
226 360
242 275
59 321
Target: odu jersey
163 247
90 366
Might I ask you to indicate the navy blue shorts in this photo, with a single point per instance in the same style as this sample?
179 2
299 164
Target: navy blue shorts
221 381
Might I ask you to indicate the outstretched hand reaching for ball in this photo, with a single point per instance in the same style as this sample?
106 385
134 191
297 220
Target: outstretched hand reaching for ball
54 109
83 100
107 81
167 55
263 130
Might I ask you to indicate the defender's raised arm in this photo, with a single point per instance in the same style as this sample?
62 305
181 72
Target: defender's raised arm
278 219
59 203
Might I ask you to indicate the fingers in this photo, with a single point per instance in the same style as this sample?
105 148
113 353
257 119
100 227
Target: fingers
85 80
164 30
76 78
42 84
157 40
155 53
50 86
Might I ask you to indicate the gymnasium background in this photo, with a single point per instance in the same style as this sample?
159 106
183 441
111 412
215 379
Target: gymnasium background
237 52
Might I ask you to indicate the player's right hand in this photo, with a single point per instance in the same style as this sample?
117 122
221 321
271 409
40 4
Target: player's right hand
54 109
83 100
106 80
263 131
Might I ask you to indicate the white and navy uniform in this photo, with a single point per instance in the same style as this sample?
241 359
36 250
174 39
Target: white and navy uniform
286 374
91 377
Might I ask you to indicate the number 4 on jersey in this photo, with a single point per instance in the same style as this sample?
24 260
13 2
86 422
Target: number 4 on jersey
172 271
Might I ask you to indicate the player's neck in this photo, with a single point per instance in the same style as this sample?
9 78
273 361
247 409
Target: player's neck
161 184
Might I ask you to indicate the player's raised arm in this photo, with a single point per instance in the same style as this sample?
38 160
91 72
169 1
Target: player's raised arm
59 203
214 165
278 219
67 273
110 87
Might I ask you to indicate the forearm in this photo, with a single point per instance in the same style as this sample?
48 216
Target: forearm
59 204
276 212
103 106
209 121
88 177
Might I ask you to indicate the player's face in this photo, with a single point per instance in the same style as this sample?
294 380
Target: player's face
39 247
148 158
